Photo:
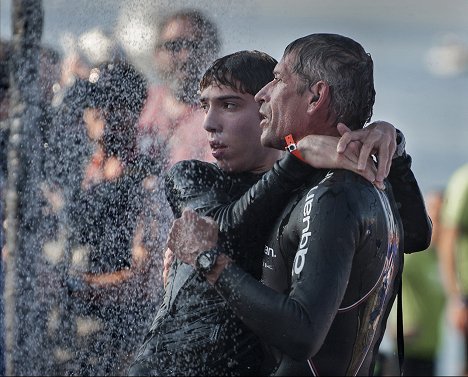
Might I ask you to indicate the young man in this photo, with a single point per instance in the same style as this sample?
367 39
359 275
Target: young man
332 262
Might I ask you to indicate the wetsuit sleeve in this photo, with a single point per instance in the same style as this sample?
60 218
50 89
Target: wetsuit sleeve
198 185
298 321
417 225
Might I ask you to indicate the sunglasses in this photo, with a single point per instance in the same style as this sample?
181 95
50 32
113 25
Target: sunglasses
177 45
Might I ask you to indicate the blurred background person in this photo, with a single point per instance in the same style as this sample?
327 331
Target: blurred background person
423 300
107 266
423 306
82 53
68 146
187 43
454 253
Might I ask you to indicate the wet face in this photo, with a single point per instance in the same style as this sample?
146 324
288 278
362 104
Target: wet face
282 109
232 122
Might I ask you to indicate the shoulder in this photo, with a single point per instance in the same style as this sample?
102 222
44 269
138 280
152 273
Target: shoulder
343 190
344 182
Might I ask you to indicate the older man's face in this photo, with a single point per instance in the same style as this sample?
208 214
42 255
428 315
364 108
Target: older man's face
283 109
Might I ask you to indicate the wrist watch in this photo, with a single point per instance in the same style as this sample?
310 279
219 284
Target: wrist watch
206 260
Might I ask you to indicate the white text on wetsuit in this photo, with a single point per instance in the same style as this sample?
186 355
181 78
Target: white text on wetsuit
299 260
269 251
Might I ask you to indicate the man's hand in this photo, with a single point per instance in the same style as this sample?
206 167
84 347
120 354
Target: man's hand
378 138
320 151
191 234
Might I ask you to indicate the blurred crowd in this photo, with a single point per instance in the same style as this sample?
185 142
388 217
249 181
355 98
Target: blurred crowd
108 137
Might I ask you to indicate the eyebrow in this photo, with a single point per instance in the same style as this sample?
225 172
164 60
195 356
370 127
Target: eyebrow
223 98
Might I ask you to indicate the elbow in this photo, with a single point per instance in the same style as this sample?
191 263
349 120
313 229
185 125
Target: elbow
302 351
303 347
420 240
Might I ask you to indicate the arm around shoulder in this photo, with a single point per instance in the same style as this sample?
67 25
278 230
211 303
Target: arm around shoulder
416 223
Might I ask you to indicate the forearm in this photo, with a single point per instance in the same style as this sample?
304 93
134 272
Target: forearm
278 319
108 279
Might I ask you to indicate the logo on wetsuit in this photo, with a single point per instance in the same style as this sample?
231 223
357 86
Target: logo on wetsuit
299 260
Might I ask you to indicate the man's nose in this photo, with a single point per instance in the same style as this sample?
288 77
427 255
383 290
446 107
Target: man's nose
263 94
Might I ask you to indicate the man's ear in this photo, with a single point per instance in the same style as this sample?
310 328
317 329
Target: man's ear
319 95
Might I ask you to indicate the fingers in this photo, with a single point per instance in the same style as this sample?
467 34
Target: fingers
189 215
369 172
378 139
346 137
384 163
385 146
173 235
192 232
168 258
379 184
364 155
342 128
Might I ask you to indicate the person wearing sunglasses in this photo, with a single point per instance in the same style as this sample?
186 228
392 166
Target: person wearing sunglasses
187 43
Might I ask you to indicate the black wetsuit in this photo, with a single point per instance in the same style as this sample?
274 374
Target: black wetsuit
331 271
197 333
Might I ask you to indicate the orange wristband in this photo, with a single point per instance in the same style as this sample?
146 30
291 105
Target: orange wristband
291 147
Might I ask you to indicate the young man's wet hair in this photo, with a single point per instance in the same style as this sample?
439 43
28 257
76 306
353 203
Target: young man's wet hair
244 71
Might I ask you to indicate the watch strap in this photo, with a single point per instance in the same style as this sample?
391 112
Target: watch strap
291 147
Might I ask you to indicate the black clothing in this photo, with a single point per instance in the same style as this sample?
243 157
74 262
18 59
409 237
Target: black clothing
244 224
195 332
104 219
411 206
331 271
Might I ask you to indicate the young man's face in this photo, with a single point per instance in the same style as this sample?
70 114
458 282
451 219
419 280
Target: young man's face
232 122
283 110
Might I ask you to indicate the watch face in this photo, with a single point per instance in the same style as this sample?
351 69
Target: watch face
205 261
